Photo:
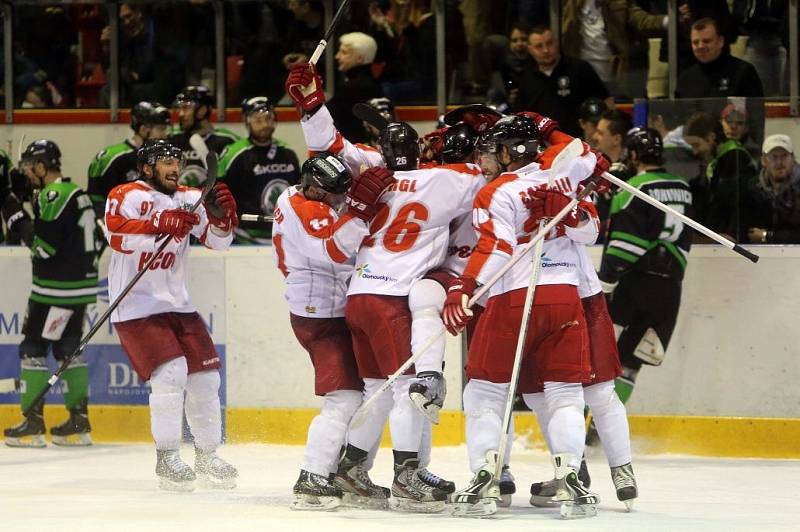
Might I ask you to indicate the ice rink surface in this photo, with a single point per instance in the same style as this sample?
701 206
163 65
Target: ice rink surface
113 488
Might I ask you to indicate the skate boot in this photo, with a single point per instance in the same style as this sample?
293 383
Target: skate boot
543 494
75 431
357 488
28 433
576 501
173 473
507 487
427 391
435 481
315 492
411 494
625 482
214 472
479 499
583 474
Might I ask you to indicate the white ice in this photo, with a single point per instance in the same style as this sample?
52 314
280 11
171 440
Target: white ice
113 488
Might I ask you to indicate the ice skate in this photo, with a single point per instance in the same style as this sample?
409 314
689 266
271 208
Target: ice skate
214 472
479 499
507 488
625 482
75 431
28 433
436 481
315 492
543 494
358 490
576 501
173 473
427 391
583 474
411 494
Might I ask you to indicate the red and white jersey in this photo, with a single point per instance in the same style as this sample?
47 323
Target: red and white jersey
500 217
129 208
321 135
410 233
315 250
590 283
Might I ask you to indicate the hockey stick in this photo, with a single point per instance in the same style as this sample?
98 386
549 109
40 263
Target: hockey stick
682 217
573 150
328 33
211 168
256 218
370 115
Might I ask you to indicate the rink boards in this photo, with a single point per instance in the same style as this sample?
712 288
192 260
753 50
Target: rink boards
728 386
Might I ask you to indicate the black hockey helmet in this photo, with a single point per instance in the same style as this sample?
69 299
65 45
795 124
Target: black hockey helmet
519 134
647 144
257 104
459 143
154 150
149 113
399 143
325 171
44 151
199 95
384 106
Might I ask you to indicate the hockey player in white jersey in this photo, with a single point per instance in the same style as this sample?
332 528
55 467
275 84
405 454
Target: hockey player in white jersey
158 326
315 249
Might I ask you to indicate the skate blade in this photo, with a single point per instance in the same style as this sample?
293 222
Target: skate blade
403 504
36 441
540 501
73 440
481 509
208 482
570 510
430 412
171 485
628 505
354 500
504 502
315 503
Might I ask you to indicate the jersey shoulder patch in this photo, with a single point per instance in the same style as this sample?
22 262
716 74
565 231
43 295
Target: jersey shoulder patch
106 156
54 198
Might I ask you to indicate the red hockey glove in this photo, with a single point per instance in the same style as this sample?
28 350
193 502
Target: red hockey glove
175 222
304 87
546 204
456 313
431 145
221 208
546 125
366 190
602 165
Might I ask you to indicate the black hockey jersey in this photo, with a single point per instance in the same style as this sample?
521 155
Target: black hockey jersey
194 171
112 166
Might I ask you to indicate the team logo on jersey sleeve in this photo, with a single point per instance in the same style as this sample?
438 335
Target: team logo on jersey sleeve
270 195
52 195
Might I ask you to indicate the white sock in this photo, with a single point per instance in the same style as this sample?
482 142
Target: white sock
203 409
405 421
611 420
536 402
167 384
484 403
425 301
328 430
368 435
425 444
566 427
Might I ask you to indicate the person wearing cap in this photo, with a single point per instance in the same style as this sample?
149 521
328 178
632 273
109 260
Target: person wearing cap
589 114
779 181
194 105
569 80
116 164
257 169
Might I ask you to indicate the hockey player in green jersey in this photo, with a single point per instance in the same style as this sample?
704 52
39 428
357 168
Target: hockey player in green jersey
63 249
116 164
258 169
645 258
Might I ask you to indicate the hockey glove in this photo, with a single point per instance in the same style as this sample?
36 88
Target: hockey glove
456 313
546 204
304 87
366 190
12 211
175 222
431 145
221 208
546 125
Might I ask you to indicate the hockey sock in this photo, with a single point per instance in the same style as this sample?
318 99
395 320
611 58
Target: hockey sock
425 301
75 383
327 431
368 435
425 444
566 427
484 402
405 421
203 409
167 386
624 384
33 377
401 457
611 422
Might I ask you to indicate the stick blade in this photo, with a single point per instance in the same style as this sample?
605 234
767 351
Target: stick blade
370 115
199 145
569 153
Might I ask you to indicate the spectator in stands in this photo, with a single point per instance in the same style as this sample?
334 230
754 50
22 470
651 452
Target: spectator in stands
604 33
725 193
690 11
304 32
355 84
717 74
589 114
508 59
767 24
570 81
779 183
679 159
609 138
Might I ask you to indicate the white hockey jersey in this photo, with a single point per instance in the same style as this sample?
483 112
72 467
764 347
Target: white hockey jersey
500 217
410 233
163 288
315 250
